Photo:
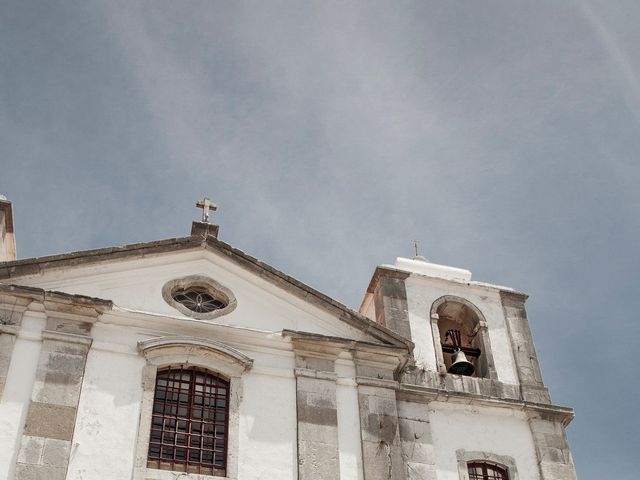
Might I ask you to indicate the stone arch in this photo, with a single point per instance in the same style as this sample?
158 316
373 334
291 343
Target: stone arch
453 312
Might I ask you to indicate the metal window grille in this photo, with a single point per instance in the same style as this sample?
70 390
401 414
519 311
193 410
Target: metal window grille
189 427
486 471
198 300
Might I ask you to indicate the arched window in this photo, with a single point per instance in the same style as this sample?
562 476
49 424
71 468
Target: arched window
190 420
486 471
205 376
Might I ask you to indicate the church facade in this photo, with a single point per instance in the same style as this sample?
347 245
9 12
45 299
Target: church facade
189 359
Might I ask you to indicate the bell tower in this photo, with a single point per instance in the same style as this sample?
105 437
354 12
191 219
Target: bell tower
474 365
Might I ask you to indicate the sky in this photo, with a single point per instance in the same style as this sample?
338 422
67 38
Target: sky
502 135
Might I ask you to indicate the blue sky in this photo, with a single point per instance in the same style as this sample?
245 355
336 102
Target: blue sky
503 135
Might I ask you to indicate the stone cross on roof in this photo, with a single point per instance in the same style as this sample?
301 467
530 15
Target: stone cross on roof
207 206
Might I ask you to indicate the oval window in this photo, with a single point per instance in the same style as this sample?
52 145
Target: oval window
198 299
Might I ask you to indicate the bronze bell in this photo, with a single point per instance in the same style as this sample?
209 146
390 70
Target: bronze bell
460 364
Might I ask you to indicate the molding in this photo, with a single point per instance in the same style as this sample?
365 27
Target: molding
9 329
385 357
513 298
146 347
414 393
377 382
345 343
391 271
66 337
318 374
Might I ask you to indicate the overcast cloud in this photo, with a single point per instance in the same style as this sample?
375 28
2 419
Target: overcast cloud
503 135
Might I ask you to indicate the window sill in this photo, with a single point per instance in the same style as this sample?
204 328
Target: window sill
153 474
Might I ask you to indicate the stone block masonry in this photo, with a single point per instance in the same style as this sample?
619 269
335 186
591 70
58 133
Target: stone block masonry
316 405
552 449
416 441
46 442
381 450
526 361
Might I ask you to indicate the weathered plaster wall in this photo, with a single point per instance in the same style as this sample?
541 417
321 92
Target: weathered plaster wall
423 291
108 413
268 428
480 429
106 430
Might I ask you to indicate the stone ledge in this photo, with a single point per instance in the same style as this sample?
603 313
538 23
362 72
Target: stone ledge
66 337
320 375
414 393
9 329
377 382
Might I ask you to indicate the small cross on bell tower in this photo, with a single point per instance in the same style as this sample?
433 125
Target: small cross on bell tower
204 228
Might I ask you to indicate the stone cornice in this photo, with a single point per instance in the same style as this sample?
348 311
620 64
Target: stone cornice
387 357
28 294
390 271
67 337
511 298
343 344
421 394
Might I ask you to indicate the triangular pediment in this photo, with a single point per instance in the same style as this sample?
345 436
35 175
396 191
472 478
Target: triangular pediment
133 278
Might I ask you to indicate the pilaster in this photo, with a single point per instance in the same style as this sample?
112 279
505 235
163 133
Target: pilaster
316 407
416 441
552 449
51 417
379 424
531 385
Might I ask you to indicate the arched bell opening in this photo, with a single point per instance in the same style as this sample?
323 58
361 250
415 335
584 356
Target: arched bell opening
461 339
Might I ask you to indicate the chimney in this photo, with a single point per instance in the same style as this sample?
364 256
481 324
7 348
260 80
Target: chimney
7 237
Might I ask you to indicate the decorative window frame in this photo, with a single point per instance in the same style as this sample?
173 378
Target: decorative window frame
215 356
217 290
504 461
482 328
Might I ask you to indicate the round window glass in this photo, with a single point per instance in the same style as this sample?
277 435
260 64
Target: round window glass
198 299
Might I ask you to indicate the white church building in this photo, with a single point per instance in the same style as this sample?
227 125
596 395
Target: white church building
187 359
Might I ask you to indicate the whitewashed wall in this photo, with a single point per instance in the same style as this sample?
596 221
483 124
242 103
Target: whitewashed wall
105 436
480 429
